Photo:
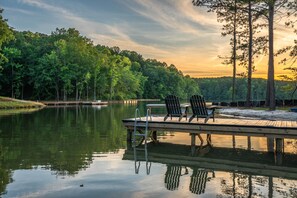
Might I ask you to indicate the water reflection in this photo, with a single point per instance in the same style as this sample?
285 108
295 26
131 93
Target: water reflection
246 173
82 152
63 140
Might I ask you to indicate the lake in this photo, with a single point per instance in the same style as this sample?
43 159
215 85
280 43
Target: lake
82 152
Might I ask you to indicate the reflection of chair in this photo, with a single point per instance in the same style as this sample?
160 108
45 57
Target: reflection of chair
198 181
199 109
173 108
172 176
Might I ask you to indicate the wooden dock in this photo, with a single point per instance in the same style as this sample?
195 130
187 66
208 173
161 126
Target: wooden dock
222 126
275 131
73 103
98 102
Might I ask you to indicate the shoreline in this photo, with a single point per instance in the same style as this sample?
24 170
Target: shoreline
11 103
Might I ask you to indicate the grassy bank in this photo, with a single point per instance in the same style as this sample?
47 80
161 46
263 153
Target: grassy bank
10 103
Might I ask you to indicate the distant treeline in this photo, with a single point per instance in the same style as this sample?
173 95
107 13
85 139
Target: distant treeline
220 89
67 66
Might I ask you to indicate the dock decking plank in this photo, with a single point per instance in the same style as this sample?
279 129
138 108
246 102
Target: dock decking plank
226 126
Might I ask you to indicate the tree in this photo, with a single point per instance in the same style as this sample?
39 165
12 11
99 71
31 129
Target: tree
266 8
230 17
16 71
270 9
6 35
228 11
270 91
292 87
76 54
292 49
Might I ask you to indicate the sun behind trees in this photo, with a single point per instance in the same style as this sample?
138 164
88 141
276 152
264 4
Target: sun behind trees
246 16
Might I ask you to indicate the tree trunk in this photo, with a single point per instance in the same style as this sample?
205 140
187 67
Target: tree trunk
22 92
12 93
250 64
110 90
76 91
64 94
57 92
234 52
270 92
95 79
87 92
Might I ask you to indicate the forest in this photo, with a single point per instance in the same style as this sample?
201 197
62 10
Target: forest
67 66
220 89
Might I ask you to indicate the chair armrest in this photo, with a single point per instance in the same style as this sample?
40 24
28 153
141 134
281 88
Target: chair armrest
213 107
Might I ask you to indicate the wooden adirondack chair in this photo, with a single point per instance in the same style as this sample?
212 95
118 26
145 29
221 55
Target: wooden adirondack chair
174 109
200 110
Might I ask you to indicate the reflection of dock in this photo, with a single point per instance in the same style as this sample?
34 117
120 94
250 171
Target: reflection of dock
220 159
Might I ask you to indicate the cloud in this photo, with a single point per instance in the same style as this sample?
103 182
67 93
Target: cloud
116 35
43 5
22 11
174 15
172 31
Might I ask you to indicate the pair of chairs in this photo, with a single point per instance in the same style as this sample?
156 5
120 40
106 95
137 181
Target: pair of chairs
198 106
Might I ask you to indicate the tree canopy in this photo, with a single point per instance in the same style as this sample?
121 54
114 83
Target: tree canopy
66 65
6 35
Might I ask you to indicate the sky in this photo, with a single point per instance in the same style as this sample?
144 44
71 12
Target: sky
171 31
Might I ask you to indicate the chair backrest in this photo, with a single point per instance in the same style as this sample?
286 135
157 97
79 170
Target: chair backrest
173 105
198 181
172 177
198 105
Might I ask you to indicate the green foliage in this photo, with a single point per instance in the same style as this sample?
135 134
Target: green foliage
292 87
6 35
67 65
219 89
64 142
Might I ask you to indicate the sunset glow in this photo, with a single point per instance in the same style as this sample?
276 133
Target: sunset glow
171 31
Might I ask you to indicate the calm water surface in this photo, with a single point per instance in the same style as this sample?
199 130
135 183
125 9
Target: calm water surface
82 152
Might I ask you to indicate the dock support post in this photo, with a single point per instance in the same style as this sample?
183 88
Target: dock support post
129 138
279 150
208 139
208 136
154 136
249 143
233 141
270 144
193 143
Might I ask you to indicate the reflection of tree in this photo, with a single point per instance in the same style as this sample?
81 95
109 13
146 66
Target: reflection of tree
246 185
240 186
5 178
293 144
289 191
62 140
